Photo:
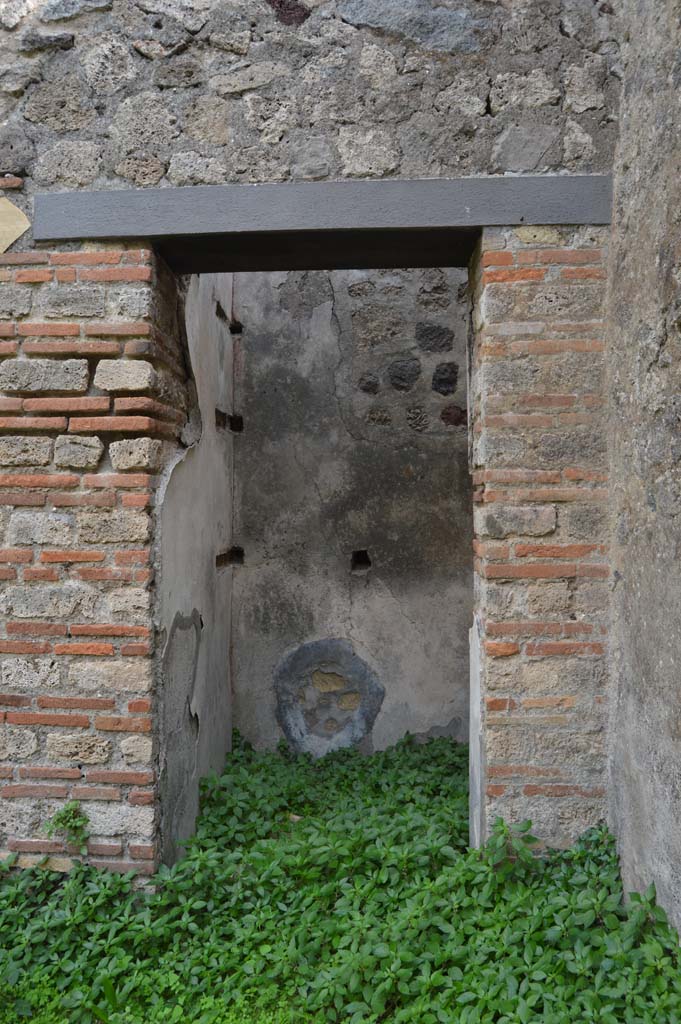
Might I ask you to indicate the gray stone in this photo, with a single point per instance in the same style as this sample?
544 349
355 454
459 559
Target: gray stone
367 152
435 28
16 743
27 375
522 90
404 373
62 10
16 151
369 383
30 675
78 748
208 119
445 378
114 819
507 520
525 148
245 79
33 41
116 527
25 451
143 123
100 676
193 169
71 300
584 85
60 105
53 528
137 749
78 452
70 163
13 11
15 300
179 72
136 453
59 601
124 375
141 169
432 337
108 65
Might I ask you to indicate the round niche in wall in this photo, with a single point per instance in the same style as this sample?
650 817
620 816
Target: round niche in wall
327 696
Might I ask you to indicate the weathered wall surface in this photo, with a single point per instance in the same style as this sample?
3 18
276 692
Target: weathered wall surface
645 356
541 528
102 93
193 595
92 398
352 388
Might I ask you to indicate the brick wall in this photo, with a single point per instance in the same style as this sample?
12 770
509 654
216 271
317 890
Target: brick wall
541 526
92 396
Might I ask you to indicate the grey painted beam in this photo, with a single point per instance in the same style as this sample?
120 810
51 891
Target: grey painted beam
343 206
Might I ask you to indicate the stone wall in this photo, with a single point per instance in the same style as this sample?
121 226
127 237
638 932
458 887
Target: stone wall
645 383
127 93
352 392
540 474
92 398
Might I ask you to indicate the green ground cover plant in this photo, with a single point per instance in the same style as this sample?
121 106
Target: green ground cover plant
341 890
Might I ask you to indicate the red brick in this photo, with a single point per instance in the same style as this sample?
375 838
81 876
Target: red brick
24 423
71 348
39 718
95 793
99 849
72 556
45 575
143 851
108 629
11 181
66 404
125 329
64 499
533 789
499 703
140 704
512 276
501 649
33 276
48 330
592 475
85 649
78 703
9 404
139 500
26 627
563 647
597 572
135 650
500 258
24 647
583 274
556 550
148 405
122 778
86 259
141 797
13 700
138 256
116 480
529 571
136 556
18 790
7 574
560 256
549 702
116 274
35 846
124 866
66 275
17 259
494 790
16 555
8 348
47 772
122 723
119 425
510 420
39 480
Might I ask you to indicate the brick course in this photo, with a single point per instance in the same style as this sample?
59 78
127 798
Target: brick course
77 645
541 538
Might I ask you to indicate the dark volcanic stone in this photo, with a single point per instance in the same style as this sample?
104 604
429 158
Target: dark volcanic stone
432 26
434 337
33 41
290 12
453 415
369 383
445 378
404 373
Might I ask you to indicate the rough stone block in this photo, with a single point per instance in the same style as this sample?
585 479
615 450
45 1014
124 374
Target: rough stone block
30 675
78 452
129 604
120 526
16 743
506 520
137 749
44 375
15 300
71 300
112 819
134 675
53 528
59 601
136 453
124 375
25 451
78 748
